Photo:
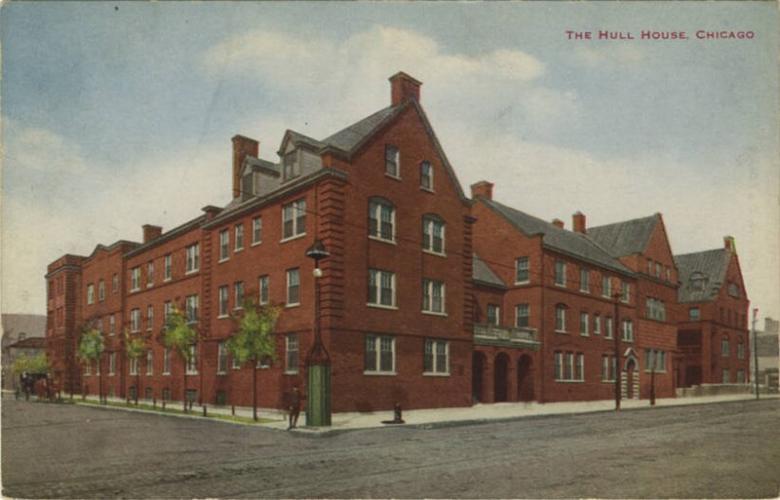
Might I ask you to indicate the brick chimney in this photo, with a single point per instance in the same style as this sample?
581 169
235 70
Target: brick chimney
403 87
151 232
482 188
557 223
728 243
242 147
578 222
211 211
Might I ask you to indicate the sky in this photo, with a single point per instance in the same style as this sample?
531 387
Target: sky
116 115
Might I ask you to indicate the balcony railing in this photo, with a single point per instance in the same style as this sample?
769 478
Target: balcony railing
505 336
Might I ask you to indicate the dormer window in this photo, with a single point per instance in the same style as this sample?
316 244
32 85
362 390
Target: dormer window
290 166
392 161
697 281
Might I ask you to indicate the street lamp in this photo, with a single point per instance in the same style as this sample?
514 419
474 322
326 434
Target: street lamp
318 395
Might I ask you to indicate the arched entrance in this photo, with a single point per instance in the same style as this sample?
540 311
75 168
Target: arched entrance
477 371
525 380
500 382
630 369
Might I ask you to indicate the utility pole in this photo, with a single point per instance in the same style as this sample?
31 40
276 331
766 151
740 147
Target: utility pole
755 351
616 336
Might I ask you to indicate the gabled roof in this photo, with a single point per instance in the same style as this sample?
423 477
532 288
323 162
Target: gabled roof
481 273
575 244
626 237
710 265
348 138
299 138
29 343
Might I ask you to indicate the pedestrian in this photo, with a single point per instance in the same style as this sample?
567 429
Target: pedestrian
294 408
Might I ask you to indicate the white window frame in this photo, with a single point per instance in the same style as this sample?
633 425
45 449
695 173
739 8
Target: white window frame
609 327
135 279
264 288
293 209
238 237
149 362
167 268
691 314
522 264
625 292
257 230
135 320
426 172
291 346
114 283
560 318
496 316
290 273
375 211
101 290
238 295
222 358
192 363
433 346
596 324
378 275
430 224
192 253
376 340
430 288
223 301
584 324
133 366
111 364
627 330
150 274
90 294
191 308
584 280
224 245
166 361
394 160
112 324
560 273
606 286
150 317
523 307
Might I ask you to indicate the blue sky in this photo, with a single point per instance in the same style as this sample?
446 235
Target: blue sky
108 108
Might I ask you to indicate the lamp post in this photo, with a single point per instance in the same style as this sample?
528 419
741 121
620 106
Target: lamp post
318 396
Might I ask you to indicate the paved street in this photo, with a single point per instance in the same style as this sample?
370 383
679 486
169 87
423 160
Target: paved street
716 450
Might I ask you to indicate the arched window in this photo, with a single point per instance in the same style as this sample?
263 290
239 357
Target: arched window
381 219
433 234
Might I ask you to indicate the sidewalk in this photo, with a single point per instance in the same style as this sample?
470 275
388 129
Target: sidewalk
439 417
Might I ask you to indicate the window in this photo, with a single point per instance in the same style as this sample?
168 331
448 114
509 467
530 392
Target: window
584 280
560 273
380 354
436 359
149 317
264 362
111 324
191 306
222 356
149 362
655 309
657 269
257 230
238 288
608 368
224 245
236 365
560 318
223 301
135 320
149 274
522 315
239 237
694 314
625 292
294 219
167 361
606 286
112 363
133 366
668 274
740 376
193 258
263 287
740 348
90 294
433 234
291 358
433 296
655 360
392 161
290 165
293 287
724 346
426 176
726 376
192 360
88 368
381 288
609 325
584 324
569 366
493 314
733 290
135 279
596 324
628 330
167 310
381 220
521 270
101 290
167 268
114 283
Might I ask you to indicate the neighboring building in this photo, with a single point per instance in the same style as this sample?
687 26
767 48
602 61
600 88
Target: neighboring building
713 336
18 330
768 352
395 294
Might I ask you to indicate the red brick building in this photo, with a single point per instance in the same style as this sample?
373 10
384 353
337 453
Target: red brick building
428 298
713 336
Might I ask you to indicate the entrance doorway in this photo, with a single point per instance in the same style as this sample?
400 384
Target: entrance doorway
630 368
500 382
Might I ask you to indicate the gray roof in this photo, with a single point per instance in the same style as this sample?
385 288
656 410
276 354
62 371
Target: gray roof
481 272
298 137
568 242
710 265
353 135
624 238
260 163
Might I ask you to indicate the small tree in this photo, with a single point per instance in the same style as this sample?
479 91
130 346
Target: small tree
179 336
254 340
90 348
135 347
37 365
